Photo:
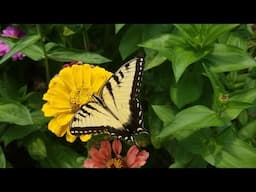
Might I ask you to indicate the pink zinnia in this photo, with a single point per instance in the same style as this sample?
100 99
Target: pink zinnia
18 56
13 32
102 157
4 48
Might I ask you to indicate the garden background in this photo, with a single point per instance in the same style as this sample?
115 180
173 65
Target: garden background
198 91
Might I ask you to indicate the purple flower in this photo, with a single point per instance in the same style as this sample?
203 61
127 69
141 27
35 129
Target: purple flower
18 56
13 32
4 48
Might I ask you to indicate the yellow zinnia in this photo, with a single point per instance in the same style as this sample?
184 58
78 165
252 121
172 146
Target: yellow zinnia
71 88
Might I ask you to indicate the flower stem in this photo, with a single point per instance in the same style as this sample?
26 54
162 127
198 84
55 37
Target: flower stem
46 63
85 38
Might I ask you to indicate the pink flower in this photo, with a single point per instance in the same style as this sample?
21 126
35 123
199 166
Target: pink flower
13 32
102 157
18 56
4 48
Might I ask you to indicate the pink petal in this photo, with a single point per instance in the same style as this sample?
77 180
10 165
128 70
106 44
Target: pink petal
13 31
88 163
131 155
117 147
96 155
105 149
141 159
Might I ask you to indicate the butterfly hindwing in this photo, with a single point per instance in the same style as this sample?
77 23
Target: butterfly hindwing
117 110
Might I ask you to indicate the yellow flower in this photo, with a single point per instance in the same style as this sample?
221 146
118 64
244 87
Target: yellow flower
71 88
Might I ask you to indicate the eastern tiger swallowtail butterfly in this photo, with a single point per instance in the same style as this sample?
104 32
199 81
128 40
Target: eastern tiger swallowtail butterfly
116 110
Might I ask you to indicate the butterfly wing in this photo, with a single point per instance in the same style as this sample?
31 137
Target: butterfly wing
120 95
93 118
117 110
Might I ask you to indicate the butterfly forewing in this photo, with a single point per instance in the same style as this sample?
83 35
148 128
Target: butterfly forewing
93 118
123 87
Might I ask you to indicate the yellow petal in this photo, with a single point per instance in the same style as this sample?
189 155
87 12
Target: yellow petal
60 124
50 110
57 91
58 130
85 138
99 78
87 76
67 77
57 101
69 137
77 71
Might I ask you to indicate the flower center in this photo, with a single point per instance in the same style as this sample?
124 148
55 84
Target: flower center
79 97
115 163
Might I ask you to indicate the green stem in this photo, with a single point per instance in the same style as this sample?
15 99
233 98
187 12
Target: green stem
46 63
85 38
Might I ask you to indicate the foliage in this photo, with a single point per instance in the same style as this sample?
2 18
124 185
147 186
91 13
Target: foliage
198 91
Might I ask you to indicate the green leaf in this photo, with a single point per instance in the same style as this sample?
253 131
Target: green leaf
164 43
164 112
248 131
188 89
118 27
67 31
234 39
39 118
17 132
60 156
130 39
225 58
36 148
202 35
239 102
183 57
234 108
15 113
228 151
34 52
2 159
153 59
62 54
20 45
154 125
188 121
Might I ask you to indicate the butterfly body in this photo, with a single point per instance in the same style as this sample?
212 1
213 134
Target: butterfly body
117 110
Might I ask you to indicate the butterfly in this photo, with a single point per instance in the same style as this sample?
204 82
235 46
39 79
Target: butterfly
117 110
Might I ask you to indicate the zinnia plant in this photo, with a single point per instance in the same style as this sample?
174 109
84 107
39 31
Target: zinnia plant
72 87
103 158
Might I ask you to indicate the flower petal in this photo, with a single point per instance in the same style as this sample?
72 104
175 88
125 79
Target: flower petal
57 129
85 138
88 163
67 77
99 77
57 89
50 110
131 155
105 149
87 72
117 147
141 159
69 137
